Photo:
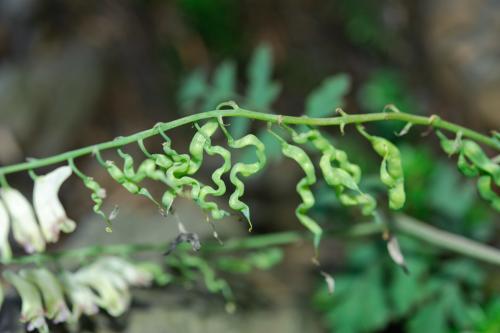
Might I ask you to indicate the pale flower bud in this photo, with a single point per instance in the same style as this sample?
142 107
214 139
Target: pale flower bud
5 250
49 210
133 274
52 294
112 290
395 253
25 229
32 311
82 298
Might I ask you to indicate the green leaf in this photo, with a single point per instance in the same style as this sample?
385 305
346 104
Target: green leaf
430 318
223 86
364 298
191 90
448 193
455 305
405 290
323 101
261 91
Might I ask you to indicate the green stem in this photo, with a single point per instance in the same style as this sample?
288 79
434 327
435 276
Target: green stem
272 118
402 223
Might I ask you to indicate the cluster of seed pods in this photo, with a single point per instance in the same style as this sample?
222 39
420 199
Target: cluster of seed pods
473 162
178 172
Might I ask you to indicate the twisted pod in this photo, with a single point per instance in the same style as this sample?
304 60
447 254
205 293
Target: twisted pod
391 169
303 187
220 188
473 162
243 169
346 176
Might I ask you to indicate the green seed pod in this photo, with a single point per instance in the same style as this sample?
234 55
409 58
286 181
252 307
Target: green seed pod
346 176
115 172
391 168
243 169
126 177
97 196
167 200
484 186
198 143
128 164
397 196
468 169
475 154
450 146
206 190
303 187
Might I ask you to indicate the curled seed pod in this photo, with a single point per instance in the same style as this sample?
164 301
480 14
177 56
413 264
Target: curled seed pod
450 146
198 142
472 162
97 196
220 188
467 168
176 176
484 186
476 155
243 169
303 187
391 168
346 176
98 193
120 177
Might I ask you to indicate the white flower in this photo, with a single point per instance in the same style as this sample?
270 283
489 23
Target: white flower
32 309
24 226
82 298
112 290
5 250
52 293
133 274
49 210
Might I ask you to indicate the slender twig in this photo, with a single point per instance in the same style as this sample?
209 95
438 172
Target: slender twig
433 121
402 224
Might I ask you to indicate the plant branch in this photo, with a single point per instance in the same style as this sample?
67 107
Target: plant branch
402 223
433 121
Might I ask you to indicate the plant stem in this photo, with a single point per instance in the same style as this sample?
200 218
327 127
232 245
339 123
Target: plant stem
433 121
402 223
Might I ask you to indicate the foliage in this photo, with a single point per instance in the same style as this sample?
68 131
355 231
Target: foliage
433 297
426 296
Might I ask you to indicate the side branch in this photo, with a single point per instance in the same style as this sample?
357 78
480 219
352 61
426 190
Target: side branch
402 223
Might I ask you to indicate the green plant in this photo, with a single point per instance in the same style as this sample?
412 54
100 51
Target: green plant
107 273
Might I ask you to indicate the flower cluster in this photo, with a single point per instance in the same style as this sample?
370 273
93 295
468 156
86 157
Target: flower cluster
33 228
105 283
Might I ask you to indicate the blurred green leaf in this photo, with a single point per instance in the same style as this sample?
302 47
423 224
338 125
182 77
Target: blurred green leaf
323 101
464 270
448 193
404 289
191 90
430 318
387 87
488 321
364 298
223 86
261 91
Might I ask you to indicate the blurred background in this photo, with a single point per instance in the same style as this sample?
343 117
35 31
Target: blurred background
75 73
